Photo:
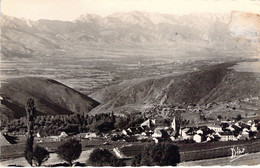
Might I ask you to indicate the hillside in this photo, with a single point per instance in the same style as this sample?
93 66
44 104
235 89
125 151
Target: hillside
215 84
50 96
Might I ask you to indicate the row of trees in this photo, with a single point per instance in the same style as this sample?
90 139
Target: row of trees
75 123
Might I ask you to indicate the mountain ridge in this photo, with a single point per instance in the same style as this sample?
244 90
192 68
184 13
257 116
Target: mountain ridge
217 83
51 97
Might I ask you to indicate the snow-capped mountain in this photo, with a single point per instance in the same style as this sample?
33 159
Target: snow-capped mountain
189 33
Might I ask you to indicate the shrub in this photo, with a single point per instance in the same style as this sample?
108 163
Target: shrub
158 155
103 157
40 155
69 151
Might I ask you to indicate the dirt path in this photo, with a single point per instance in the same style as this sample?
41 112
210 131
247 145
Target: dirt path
52 160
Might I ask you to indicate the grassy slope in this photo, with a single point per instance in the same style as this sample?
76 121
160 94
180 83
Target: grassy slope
51 97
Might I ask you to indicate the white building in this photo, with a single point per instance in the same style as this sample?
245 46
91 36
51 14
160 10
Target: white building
88 135
157 132
245 134
38 135
186 133
149 123
227 136
199 131
63 134
253 128
197 138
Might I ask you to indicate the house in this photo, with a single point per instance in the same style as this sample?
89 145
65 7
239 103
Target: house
227 121
149 123
198 138
132 130
53 138
199 131
209 138
87 135
253 128
63 134
159 132
157 139
243 135
186 133
245 130
38 135
243 125
234 128
249 122
216 128
142 137
227 136
173 133
139 130
126 132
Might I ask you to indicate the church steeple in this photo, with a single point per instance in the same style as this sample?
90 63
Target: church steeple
173 124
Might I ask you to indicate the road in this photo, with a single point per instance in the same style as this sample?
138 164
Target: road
251 159
52 160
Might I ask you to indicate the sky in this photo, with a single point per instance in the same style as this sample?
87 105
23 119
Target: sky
72 9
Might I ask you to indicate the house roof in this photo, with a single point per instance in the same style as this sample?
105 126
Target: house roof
235 127
186 129
215 126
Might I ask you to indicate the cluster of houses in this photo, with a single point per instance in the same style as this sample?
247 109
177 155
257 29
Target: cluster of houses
222 131
149 131
225 131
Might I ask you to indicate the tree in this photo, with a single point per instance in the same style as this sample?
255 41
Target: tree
69 151
30 109
103 157
239 117
220 117
40 155
28 152
158 155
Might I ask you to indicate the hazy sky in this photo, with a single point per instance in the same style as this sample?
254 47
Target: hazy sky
71 9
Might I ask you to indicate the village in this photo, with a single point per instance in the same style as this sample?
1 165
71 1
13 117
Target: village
149 131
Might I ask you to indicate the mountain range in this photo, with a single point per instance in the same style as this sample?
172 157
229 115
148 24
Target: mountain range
204 33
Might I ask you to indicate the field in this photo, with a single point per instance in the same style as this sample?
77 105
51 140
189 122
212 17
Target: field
251 159
17 150
54 159
201 151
